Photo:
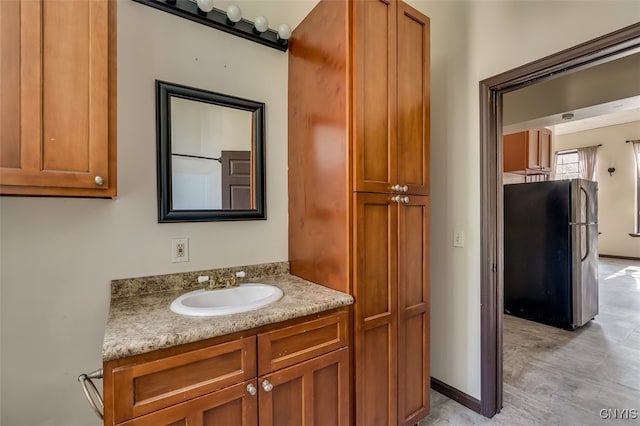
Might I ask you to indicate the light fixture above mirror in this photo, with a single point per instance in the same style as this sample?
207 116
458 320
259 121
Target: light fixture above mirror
229 21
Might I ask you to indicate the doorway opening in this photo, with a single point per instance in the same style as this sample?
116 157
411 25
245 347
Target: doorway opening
604 49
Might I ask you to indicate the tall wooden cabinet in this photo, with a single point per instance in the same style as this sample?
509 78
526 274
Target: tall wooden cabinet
359 189
58 97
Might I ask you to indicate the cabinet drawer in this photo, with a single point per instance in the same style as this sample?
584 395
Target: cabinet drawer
142 388
287 346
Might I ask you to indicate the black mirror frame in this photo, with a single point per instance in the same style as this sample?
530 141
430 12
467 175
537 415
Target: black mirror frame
166 213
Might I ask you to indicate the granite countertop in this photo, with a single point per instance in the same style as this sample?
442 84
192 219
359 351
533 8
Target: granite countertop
140 323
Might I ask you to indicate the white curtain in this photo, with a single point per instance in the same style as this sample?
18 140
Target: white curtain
587 160
554 166
636 151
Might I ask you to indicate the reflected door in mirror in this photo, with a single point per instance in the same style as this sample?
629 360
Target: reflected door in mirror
237 192
202 134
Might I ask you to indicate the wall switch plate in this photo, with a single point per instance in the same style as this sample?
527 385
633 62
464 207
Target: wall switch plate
458 238
179 250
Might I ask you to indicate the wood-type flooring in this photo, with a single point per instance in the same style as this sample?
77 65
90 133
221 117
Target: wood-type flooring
558 377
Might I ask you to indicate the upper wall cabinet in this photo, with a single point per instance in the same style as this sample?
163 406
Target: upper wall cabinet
527 152
392 97
58 102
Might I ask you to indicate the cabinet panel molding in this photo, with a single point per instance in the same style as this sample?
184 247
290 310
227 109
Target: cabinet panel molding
375 94
301 394
10 70
64 139
414 105
413 310
143 388
230 406
287 346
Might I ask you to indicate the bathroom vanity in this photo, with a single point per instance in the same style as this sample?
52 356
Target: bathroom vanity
287 363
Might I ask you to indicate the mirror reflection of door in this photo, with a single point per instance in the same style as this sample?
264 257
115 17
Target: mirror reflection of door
236 180
201 134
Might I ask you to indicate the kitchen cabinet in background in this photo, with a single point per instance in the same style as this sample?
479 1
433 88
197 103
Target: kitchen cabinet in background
58 98
527 152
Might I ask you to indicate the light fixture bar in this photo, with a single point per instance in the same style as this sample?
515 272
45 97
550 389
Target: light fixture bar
218 19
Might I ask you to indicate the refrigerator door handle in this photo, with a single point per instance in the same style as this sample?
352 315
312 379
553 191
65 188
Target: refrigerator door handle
586 236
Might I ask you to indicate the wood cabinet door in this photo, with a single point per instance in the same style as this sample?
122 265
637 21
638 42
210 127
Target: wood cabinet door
413 74
514 151
413 310
375 312
375 161
56 94
314 392
544 146
230 406
533 150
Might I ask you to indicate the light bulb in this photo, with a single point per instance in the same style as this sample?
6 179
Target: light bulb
261 24
284 32
205 5
234 14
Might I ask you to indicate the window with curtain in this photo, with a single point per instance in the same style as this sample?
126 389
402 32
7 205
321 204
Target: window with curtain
587 162
579 163
567 165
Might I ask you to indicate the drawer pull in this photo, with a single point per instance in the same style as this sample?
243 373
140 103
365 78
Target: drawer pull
251 389
267 386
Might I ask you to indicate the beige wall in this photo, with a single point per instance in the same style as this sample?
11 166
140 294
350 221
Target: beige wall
616 194
472 41
58 255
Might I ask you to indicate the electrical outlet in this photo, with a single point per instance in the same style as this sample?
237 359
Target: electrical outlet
179 250
458 238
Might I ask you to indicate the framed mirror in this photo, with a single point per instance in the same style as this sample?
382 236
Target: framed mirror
211 163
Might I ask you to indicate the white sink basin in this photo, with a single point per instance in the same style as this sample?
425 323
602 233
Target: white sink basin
245 297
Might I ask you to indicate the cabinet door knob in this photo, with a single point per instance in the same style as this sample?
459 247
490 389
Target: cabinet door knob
251 389
405 188
396 188
404 199
395 199
98 180
267 386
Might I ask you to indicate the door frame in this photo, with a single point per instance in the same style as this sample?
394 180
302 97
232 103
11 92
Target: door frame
615 45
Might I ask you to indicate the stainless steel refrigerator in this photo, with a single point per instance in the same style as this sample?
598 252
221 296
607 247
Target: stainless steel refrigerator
551 251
